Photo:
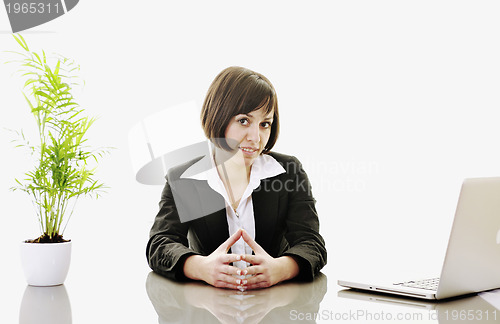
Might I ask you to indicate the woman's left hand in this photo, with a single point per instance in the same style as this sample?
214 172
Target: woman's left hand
265 270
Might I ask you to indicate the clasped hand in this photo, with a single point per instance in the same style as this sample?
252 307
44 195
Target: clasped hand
216 268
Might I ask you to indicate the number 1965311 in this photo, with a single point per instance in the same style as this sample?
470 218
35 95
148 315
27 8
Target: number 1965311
32 8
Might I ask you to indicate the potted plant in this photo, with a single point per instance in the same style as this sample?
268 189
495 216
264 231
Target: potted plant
61 173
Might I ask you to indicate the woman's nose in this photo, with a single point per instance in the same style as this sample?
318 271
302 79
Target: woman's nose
253 134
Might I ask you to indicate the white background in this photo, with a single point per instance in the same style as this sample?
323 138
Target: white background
388 104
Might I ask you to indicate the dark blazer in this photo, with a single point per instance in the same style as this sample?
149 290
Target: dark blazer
286 222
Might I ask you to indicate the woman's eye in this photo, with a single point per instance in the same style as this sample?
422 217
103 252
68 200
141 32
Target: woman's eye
243 121
266 124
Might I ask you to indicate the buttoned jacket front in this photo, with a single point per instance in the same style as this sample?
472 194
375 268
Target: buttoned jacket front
286 222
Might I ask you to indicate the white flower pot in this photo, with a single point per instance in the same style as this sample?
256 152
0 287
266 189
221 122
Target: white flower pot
45 264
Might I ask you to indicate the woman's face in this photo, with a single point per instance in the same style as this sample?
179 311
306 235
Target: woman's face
250 133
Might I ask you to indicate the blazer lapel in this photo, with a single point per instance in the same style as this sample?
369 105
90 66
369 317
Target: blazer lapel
265 208
213 207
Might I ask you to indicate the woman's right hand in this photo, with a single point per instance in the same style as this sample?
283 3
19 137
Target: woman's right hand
215 269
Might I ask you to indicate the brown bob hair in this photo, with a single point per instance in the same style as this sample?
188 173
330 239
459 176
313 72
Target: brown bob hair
237 90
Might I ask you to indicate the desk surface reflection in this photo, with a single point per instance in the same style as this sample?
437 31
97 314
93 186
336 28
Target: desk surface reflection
196 302
149 298
470 309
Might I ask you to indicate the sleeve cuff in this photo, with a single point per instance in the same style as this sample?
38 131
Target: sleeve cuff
305 271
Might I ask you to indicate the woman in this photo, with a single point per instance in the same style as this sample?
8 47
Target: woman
252 201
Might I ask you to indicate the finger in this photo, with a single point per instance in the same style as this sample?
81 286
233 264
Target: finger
262 284
228 258
231 270
250 281
255 247
254 270
223 279
223 284
253 259
231 240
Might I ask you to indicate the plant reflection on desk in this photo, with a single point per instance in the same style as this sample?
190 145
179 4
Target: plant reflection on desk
189 302
45 305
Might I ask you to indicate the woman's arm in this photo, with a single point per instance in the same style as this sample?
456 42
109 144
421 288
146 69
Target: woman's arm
167 248
307 245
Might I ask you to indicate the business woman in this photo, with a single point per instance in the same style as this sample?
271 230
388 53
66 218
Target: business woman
251 202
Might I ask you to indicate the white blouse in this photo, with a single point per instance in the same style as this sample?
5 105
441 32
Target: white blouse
263 167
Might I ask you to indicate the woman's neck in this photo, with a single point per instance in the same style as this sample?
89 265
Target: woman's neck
235 176
234 166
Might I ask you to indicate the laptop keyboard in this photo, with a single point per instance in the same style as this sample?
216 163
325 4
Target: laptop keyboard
429 284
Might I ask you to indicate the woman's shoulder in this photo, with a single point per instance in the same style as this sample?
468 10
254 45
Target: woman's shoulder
290 163
176 171
283 158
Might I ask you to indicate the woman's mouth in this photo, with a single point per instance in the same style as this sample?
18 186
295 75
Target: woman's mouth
248 150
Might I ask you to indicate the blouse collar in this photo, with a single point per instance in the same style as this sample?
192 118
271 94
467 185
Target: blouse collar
264 166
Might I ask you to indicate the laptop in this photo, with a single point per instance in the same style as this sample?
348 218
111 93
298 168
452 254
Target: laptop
472 261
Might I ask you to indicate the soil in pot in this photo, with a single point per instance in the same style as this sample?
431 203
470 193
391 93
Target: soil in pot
46 239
